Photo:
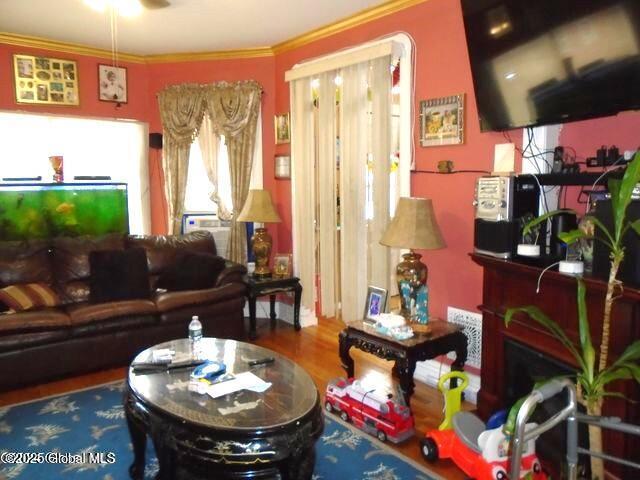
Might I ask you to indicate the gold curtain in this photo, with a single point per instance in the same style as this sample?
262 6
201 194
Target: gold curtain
181 112
233 109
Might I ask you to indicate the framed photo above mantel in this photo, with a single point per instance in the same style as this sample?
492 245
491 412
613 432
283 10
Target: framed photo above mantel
442 121
112 84
45 80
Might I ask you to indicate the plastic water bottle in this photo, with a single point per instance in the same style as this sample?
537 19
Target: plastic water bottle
195 336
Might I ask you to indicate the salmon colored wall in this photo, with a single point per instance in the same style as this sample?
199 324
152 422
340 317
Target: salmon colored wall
442 68
90 106
162 75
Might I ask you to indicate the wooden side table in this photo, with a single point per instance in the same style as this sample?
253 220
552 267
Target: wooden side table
443 337
257 287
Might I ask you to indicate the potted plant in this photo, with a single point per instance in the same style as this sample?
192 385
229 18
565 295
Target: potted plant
594 374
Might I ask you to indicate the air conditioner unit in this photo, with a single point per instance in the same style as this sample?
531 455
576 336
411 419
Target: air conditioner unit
211 223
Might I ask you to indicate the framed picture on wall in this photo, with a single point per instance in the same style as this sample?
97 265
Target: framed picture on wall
45 80
442 121
112 84
283 128
282 166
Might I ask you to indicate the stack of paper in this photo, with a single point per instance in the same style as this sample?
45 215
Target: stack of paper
242 381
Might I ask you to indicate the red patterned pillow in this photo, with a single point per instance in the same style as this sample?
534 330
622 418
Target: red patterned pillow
28 296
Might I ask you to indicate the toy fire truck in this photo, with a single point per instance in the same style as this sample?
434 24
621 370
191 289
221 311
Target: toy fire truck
369 410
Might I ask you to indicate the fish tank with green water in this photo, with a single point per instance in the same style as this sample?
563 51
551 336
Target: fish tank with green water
40 211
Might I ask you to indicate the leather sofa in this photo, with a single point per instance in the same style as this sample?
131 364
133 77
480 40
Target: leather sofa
77 336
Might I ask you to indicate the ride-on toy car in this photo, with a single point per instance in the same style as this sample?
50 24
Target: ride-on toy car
479 452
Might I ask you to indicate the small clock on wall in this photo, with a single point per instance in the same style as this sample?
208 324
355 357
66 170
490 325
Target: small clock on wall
283 166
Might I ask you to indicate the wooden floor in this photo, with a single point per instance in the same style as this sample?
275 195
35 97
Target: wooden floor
316 350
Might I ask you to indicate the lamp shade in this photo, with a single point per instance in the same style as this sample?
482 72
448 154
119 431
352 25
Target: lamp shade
258 208
413 226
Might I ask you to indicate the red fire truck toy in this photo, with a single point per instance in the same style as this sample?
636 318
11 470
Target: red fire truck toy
369 410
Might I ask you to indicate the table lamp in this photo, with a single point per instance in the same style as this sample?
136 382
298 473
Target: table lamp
259 208
413 226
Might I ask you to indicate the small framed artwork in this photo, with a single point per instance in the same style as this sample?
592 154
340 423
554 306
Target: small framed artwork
282 264
376 303
112 84
283 128
282 166
442 121
45 80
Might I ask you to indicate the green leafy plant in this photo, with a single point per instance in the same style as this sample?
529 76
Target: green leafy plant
594 374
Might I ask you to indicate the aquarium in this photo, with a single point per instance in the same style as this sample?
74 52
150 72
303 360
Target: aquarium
29 211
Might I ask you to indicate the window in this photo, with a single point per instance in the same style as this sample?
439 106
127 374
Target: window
198 195
90 147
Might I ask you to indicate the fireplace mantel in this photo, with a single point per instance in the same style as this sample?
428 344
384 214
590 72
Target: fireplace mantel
509 284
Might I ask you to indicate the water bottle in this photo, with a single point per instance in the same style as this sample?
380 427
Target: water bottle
195 336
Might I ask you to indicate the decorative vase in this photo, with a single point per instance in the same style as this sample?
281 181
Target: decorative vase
412 285
261 242
57 163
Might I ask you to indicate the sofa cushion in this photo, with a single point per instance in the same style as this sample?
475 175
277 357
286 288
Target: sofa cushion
34 320
118 275
167 301
191 271
28 296
23 340
25 262
162 250
71 255
95 312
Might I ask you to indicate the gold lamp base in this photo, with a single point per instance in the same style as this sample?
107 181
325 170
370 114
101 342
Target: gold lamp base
261 245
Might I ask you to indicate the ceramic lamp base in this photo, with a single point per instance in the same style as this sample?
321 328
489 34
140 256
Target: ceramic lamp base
412 285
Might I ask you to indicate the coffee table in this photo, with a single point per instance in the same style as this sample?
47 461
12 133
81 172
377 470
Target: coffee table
241 435
442 338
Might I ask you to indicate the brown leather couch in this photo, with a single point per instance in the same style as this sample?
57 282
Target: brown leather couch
77 336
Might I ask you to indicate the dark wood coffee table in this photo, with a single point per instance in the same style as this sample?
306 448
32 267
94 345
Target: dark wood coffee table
442 338
241 435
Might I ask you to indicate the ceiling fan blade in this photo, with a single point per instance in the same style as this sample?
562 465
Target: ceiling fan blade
153 4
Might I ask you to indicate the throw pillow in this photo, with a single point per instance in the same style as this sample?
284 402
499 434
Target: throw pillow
118 275
28 296
192 271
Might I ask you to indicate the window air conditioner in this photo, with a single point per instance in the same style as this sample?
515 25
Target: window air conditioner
210 223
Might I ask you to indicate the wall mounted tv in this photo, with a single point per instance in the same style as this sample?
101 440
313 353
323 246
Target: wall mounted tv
540 62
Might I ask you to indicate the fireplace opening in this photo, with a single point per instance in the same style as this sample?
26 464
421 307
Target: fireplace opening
524 367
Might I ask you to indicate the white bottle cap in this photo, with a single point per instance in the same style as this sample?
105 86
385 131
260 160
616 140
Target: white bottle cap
527 250
571 267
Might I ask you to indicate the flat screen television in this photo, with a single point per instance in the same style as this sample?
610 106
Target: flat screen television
540 62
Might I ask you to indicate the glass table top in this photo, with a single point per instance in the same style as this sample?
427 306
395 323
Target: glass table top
291 395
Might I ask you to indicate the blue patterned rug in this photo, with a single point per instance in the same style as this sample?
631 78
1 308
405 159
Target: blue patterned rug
93 421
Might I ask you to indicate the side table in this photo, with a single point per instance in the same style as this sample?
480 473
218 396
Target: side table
257 287
442 338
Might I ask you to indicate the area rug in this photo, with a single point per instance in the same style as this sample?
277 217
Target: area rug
93 420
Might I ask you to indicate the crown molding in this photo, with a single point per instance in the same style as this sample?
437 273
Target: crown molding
359 18
355 20
65 47
219 55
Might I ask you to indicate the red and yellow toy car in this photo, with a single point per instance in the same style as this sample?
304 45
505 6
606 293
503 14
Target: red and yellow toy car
481 454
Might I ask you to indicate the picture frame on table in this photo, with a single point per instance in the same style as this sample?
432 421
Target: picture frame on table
442 121
282 128
375 304
112 84
282 265
45 80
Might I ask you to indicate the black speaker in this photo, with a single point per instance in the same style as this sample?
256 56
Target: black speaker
630 269
155 140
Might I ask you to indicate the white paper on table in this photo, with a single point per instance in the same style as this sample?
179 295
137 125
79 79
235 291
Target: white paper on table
243 381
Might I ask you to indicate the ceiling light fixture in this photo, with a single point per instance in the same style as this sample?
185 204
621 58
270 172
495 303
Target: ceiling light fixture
126 8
